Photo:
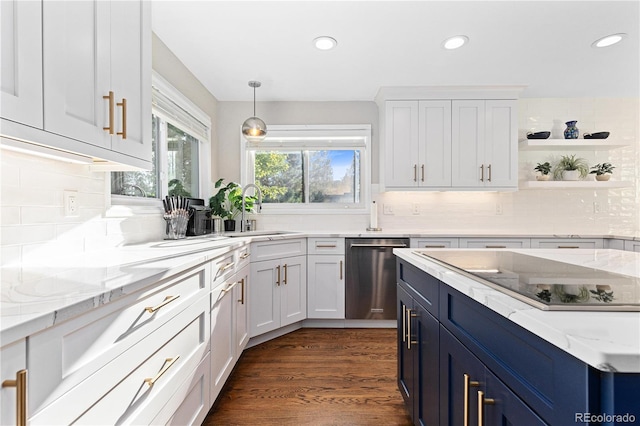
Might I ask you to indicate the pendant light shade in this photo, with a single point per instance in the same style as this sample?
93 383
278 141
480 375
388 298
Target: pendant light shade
253 128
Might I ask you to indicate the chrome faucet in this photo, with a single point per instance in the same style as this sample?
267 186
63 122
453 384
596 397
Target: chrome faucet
259 203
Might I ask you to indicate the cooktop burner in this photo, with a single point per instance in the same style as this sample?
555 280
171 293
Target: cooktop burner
543 283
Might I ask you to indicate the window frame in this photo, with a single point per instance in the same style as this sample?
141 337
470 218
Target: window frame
309 132
181 102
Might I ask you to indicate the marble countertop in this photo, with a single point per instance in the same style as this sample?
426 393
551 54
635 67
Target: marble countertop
608 341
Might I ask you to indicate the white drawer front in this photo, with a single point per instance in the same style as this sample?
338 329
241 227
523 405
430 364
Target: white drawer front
567 243
118 392
495 243
243 256
431 243
222 268
632 246
325 245
278 249
65 355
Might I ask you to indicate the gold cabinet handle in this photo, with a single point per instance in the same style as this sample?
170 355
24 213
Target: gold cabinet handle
341 270
482 401
245 255
415 172
326 246
111 113
482 173
278 280
489 173
167 365
487 246
227 266
241 292
434 246
285 275
465 404
408 313
568 247
123 105
404 323
422 172
167 300
20 383
412 314
229 287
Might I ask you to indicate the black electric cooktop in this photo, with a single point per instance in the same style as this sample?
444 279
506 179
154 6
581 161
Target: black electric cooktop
543 283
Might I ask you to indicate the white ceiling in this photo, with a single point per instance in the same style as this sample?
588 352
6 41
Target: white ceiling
543 45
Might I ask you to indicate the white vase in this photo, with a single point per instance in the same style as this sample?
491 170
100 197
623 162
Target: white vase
542 177
571 175
603 177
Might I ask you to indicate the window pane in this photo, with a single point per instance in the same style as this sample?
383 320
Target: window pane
182 162
139 184
279 175
334 176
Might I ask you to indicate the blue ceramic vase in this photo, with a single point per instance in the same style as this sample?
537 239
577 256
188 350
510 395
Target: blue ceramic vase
571 132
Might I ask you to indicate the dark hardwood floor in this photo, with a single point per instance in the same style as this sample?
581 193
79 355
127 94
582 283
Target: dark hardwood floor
315 377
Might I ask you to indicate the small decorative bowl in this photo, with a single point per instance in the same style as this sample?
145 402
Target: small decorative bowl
538 135
597 135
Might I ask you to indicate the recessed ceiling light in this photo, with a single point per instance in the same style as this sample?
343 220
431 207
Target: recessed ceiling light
455 42
608 40
325 43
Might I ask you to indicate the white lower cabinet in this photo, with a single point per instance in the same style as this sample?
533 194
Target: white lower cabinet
99 367
631 245
325 278
431 243
567 243
278 290
13 364
494 243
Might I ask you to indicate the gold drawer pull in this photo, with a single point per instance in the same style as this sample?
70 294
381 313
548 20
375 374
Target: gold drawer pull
245 255
285 275
404 323
227 266
111 113
229 287
465 406
495 246
20 383
326 246
242 292
278 280
568 247
482 401
167 365
435 246
123 104
167 300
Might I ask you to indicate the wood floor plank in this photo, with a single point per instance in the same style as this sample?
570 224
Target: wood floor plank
315 377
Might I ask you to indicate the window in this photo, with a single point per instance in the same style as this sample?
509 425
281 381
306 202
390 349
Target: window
310 167
180 133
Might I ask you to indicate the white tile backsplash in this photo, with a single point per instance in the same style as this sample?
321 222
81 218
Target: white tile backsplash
33 223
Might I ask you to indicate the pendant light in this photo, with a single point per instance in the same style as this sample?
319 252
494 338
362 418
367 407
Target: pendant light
254 129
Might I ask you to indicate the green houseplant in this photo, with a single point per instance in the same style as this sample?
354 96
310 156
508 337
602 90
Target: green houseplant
602 171
227 203
570 168
544 169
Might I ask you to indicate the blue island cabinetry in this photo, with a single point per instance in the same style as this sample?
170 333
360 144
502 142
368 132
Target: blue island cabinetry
460 363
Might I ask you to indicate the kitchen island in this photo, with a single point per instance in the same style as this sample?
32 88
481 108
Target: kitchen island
500 359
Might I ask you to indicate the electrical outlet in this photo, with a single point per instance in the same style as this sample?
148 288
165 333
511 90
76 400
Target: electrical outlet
498 209
415 208
387 209
70 203
596 207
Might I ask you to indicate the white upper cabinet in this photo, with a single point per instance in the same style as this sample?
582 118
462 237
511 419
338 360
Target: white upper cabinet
21 62
466 142
96 75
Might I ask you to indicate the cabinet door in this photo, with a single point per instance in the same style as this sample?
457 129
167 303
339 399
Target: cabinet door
293 290
503 407
241 311
264 297
76 69
131 76
401 144
424 330
406 379
13 358
501 143
22 61
222 337
326 286
467 143
435 143
461 376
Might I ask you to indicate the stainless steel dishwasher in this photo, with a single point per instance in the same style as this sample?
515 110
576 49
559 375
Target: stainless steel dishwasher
371 277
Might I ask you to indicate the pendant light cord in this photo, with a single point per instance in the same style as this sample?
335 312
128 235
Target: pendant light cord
254 100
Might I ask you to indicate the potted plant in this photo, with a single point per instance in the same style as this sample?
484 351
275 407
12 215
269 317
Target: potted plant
602 171
544 169
227 203
570 168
